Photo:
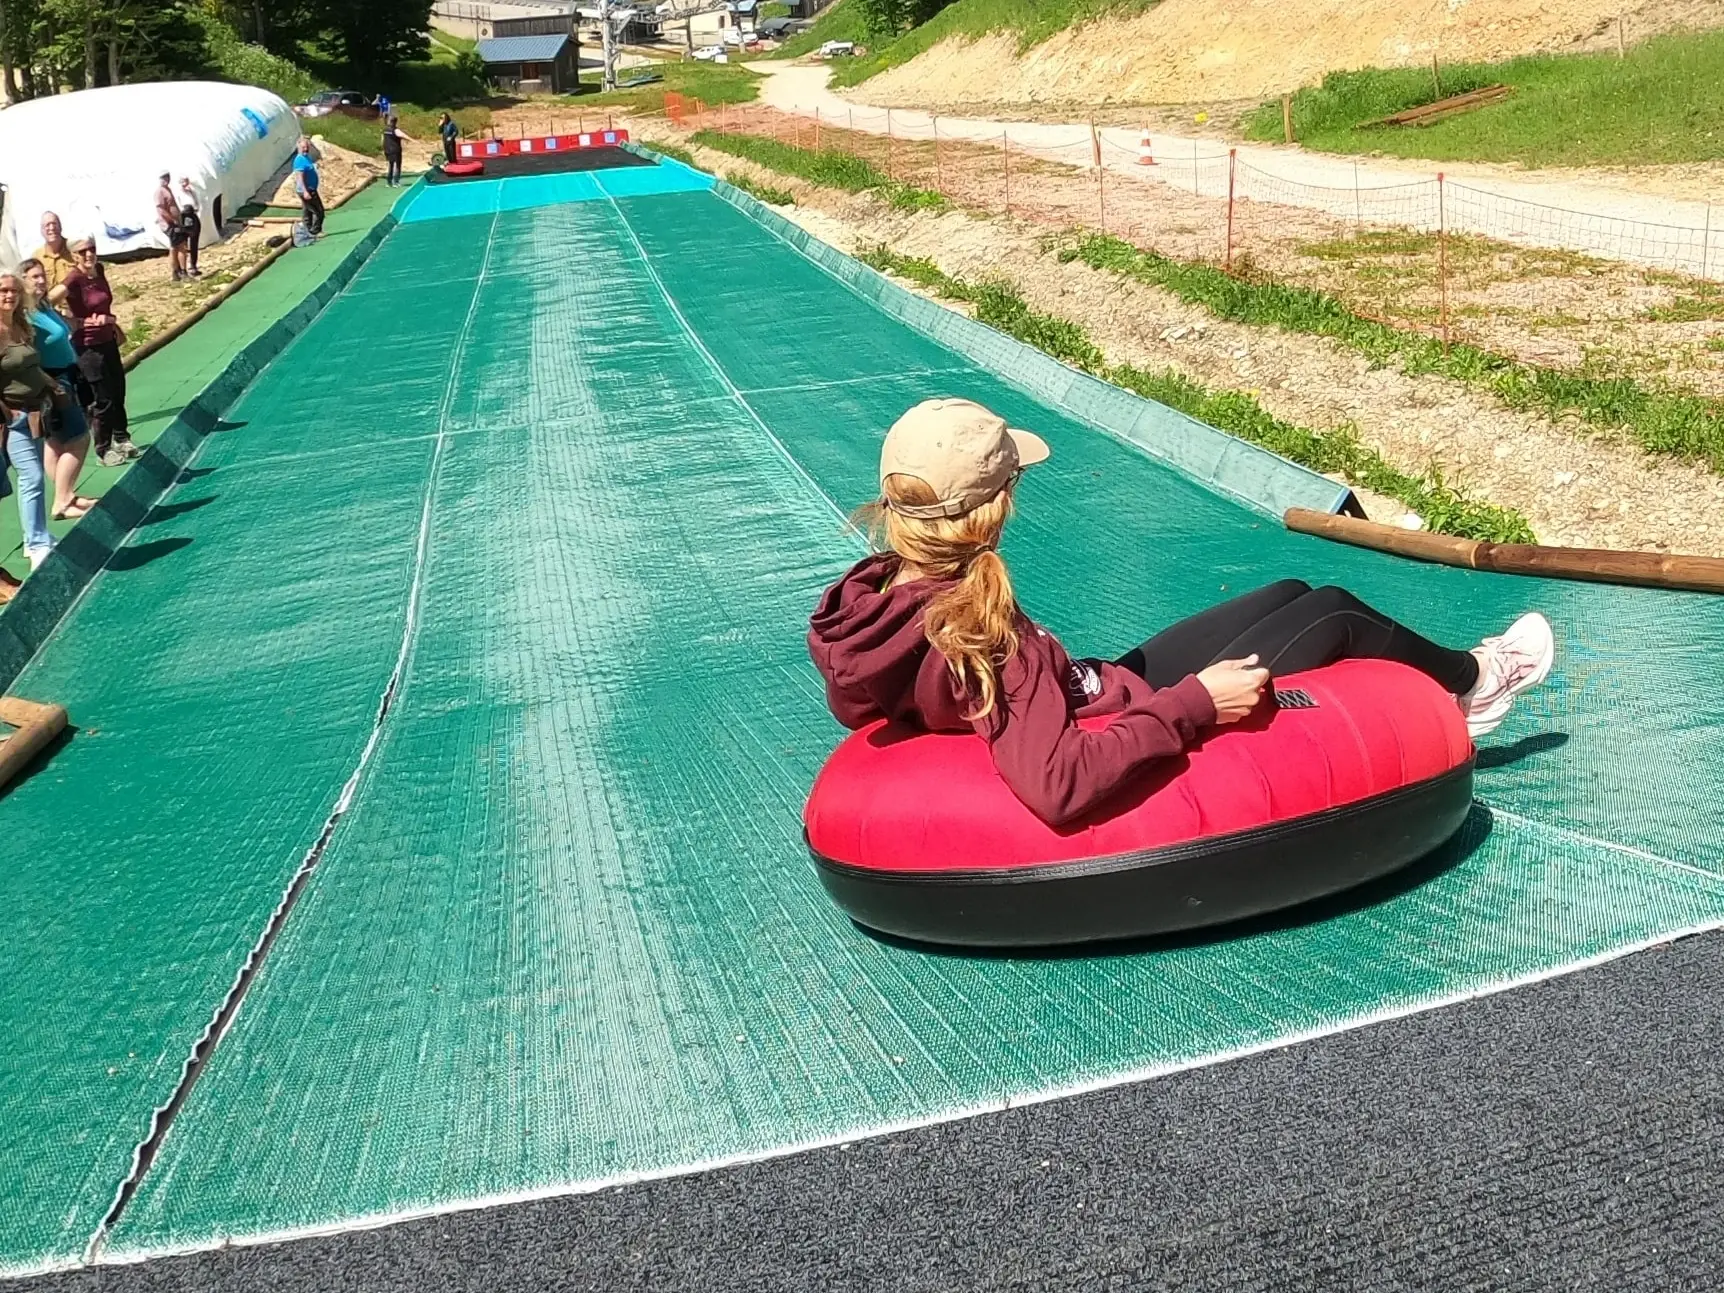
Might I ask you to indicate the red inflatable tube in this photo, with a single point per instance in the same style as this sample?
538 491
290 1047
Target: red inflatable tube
464 168
1355 771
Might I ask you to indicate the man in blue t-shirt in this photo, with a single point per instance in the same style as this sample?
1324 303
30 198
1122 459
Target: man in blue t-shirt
305 184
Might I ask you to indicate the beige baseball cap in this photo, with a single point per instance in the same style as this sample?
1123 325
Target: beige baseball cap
963 452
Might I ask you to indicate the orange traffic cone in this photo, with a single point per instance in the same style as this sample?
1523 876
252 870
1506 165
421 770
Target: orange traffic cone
1145 157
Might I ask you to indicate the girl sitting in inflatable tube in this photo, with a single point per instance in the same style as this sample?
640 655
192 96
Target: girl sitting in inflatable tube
929 634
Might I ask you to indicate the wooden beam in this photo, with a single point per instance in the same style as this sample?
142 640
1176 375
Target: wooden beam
1590 565
36 725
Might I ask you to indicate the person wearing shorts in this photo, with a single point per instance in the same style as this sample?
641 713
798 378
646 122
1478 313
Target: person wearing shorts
168 217
305 183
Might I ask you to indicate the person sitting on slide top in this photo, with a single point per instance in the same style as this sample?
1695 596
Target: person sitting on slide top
929 633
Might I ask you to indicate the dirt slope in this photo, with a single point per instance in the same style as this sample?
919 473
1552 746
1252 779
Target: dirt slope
1191 51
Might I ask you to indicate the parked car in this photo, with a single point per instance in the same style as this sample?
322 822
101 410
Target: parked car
707 53
347 103
838 49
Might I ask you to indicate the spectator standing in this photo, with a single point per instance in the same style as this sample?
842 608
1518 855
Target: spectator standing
450 132
67 439
192 224
28 392
305 184
56 257
168 217
97 336
383 106
392 137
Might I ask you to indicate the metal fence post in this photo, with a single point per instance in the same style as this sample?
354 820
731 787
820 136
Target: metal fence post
1232 169
1443 259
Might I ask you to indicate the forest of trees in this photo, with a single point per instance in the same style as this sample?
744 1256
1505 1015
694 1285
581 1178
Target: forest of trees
50 45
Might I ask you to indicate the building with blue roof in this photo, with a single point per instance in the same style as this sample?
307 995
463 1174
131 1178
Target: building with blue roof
527 64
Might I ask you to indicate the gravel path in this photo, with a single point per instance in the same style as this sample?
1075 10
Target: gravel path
1576 490
1625 223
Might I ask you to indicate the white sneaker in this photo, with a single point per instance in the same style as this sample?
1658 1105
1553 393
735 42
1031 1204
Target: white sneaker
1508 665
36 556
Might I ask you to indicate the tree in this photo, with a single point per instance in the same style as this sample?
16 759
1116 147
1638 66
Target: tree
280 26
377 35
884 19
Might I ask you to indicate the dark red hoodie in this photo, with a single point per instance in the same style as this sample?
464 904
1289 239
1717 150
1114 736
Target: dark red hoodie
870 647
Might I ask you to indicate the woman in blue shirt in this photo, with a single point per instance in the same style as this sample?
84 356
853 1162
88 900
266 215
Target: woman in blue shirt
68 433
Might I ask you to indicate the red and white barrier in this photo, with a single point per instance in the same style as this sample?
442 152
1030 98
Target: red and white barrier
479 149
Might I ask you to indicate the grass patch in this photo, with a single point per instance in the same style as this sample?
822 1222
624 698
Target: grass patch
842 21
460 44
765 192
1032 20
140 331
1661 420
1663 103
711 83
234 60
677 151
1445 509
826 167
1705 306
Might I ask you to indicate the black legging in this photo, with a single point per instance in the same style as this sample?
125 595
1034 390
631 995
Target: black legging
104 382
393 162
1290 626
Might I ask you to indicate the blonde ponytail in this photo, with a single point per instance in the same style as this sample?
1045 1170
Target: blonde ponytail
973 624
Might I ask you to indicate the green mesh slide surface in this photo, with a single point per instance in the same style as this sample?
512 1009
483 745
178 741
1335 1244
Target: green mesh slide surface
131 902
567 932
165 382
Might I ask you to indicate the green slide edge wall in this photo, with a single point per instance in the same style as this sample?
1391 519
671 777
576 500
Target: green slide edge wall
1262 480
27 621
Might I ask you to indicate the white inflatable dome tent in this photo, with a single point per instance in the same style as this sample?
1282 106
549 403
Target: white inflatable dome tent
95 158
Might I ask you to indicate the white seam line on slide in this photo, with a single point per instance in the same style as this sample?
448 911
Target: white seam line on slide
718 370
228 1008
377 1221
1581 837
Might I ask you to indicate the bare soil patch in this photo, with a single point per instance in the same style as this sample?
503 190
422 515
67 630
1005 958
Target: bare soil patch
1547 307
1576 488
148 302
1189 51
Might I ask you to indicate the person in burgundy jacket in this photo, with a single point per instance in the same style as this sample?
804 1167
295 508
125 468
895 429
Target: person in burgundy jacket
928 633
97 335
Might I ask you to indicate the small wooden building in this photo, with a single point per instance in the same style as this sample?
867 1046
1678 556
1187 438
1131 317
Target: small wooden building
533 64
